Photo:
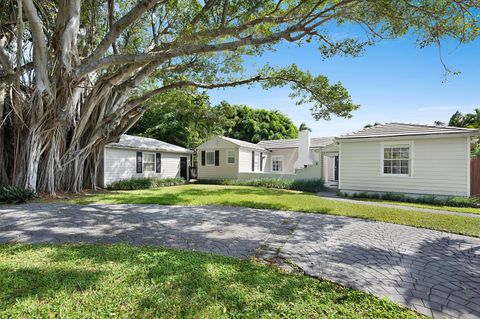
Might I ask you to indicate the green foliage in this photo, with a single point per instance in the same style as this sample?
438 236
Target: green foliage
124 281
145 183
303 127
308 185
469 120
428 199
255 125
16 195
181 117
372 125
186 118
325 99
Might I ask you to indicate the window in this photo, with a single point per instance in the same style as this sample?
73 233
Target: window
231 157
277 163
148 162
210 158
257 161
396 159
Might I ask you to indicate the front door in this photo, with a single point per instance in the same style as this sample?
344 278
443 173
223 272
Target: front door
336 168
183 167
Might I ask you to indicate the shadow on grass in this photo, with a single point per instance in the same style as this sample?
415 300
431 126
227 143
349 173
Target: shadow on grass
18 283
170 283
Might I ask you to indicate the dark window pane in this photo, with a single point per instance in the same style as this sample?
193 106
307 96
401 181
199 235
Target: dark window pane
404 170
396 163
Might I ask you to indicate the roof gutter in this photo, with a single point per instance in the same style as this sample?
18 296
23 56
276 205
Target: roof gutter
391 136
149 149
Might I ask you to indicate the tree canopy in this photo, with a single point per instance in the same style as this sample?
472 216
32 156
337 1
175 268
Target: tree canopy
75 74
255 125
469 120
303 127
188 119
184 118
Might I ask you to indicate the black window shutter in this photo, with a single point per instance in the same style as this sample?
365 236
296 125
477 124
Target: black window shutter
203 158
139 162
261 161
158 163
253 161
217 158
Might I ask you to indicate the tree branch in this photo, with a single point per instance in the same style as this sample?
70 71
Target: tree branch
181 84
17 72
118 27
69 21
4 58
185 50
39 47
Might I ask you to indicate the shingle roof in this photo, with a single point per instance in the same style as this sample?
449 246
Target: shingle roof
315 142
242 143
145 143
406 129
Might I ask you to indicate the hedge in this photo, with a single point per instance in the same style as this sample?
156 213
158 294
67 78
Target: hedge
145 183
308 185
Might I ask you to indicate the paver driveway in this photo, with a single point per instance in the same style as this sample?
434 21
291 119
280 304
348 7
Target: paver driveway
436 273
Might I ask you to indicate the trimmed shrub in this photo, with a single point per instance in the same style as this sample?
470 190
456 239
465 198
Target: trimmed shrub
16 195
427 199
308 185
145 183
463 202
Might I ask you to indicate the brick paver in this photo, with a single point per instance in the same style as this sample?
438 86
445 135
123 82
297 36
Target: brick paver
436 273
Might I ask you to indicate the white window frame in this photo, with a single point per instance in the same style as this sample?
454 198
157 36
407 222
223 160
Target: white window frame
256 161
206 158
392 144
144 157
276 158
229 152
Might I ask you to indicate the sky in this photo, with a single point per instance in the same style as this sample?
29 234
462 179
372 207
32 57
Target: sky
393 81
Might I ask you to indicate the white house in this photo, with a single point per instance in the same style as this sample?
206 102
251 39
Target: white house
134 156
411 159
228 158
406 158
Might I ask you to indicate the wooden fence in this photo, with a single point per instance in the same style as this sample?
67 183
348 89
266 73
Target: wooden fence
475 176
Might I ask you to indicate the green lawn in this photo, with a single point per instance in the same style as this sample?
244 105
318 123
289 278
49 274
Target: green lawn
469 210
286 200
120 281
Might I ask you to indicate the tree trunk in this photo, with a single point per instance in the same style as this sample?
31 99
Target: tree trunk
3 171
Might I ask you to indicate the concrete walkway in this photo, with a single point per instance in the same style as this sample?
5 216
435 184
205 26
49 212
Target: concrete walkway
333 196
436 273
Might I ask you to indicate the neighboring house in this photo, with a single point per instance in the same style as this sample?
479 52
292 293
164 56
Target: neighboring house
394 157
134 156
406 158
228 158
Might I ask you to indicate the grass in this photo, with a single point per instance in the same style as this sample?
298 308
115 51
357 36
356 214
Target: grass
469 210
120 281
254 197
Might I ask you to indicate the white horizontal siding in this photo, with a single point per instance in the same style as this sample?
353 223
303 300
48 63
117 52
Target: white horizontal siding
439 166
245 160
121 164
289 155
224 170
